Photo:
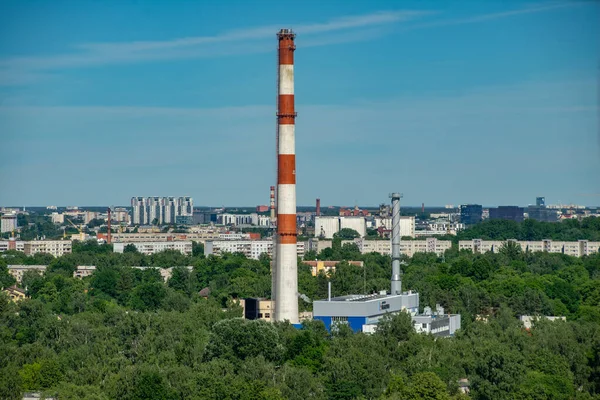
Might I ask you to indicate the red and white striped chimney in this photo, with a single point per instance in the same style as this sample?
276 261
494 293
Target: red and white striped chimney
286 278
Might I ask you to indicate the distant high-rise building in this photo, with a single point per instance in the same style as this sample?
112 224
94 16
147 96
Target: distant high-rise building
161 210
541 213
510 213
471 214
9 223
540 201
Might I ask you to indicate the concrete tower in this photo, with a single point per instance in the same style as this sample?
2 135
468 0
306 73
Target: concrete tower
396 273
286 270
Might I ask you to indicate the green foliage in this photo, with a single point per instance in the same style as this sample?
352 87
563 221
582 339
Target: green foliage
124 333
346 234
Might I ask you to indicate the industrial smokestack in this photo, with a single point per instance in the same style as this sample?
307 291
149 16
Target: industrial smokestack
286 274
318 212
396 273
272 204
108 238
423 208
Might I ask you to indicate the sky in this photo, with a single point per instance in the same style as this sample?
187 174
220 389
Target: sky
491 102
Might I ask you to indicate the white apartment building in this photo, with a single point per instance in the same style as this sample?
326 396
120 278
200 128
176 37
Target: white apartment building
163 209
12 244
163 237
407 247
244 219
150 248
8 223
57 218
17 271
56 248
250 248
577 249
407 224
84 270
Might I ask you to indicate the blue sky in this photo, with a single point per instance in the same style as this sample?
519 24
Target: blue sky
448 102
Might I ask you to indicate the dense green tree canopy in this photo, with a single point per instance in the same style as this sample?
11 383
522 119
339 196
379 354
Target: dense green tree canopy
124 333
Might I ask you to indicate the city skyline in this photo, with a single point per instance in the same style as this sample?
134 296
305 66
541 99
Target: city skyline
491 105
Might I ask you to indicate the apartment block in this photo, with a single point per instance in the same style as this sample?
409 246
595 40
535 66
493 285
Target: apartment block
17 271
56 248
250 248
576 249
150 248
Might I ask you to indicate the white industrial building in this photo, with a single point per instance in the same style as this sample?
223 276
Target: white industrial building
356 223
577 249
326 227
407 224
250 248
148 248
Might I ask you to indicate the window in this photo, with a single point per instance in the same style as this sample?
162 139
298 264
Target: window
424 325
267 315
260 315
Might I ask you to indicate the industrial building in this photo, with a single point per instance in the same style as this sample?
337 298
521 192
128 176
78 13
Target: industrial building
407 225
362 312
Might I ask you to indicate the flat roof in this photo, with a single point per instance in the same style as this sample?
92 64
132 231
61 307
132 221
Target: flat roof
367 297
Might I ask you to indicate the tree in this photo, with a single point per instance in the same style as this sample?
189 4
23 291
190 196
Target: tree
130 248
238 339
346 234
425 385
197 249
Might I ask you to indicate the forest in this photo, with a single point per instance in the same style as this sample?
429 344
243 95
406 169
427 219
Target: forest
124 334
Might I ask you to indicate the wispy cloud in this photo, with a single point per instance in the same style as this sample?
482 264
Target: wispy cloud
251 40
498 15
25 70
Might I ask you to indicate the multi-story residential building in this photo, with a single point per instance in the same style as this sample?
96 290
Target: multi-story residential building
56 248
17 271
12 244
328 266
407 247
471 214
163 210
148 248
84 270
200 236
577 249
8 222
250 248
57 218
